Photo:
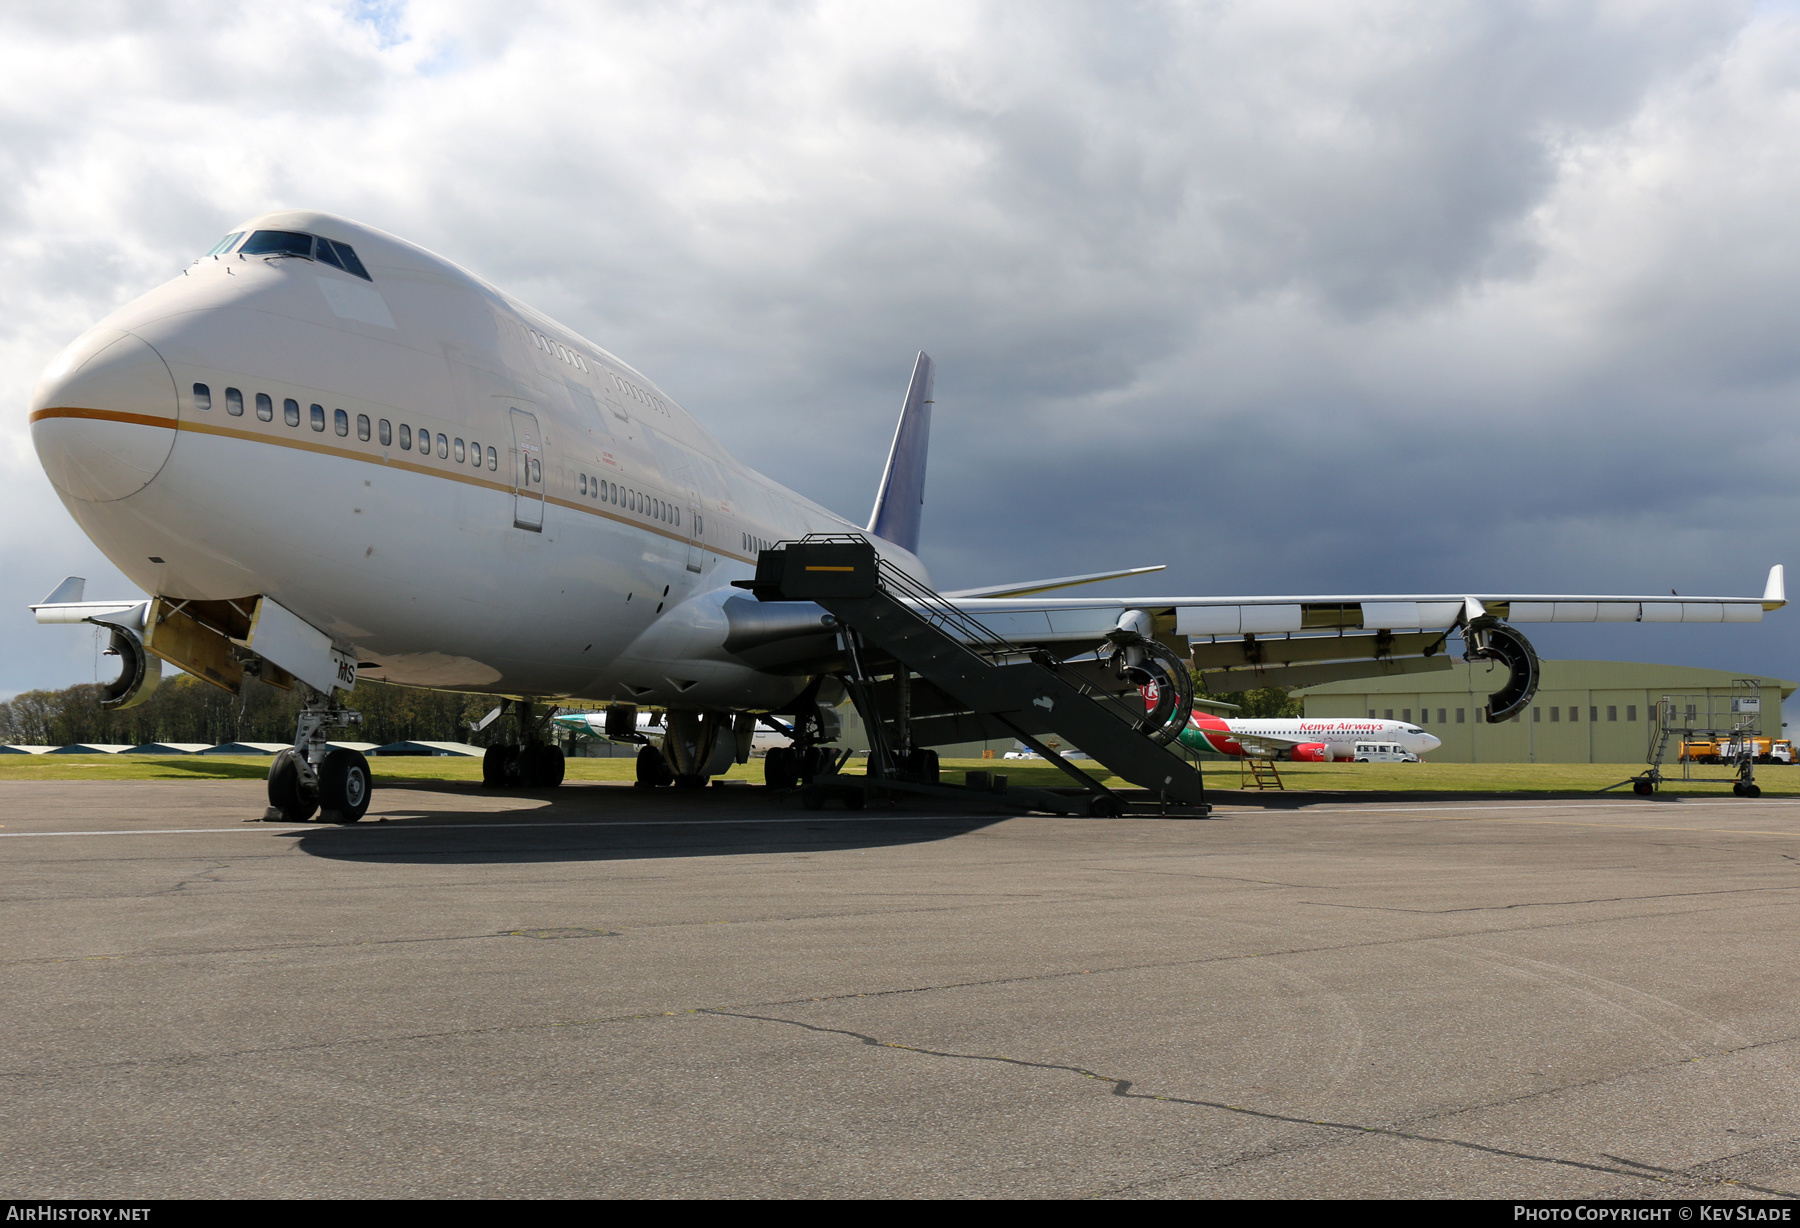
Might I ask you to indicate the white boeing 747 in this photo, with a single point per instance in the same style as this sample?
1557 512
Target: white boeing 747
330 454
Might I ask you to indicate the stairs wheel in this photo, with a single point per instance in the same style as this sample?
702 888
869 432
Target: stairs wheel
1642 788
1105 807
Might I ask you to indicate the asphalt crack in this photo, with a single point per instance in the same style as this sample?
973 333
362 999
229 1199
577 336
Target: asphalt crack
1122 1088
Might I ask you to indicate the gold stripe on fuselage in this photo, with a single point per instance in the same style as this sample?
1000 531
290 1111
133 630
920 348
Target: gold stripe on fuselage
391 462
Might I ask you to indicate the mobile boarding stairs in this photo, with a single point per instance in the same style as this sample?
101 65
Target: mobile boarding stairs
923 673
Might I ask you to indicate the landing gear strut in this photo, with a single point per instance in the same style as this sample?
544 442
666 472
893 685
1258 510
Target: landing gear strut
311 777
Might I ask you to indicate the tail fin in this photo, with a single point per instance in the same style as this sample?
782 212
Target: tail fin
902 495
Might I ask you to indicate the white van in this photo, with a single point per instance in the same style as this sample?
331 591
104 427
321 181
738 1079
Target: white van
1383 752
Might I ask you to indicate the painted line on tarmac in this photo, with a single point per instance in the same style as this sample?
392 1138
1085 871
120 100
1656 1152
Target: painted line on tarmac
375 827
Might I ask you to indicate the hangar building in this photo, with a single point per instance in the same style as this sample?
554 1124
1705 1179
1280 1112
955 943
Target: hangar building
1583 712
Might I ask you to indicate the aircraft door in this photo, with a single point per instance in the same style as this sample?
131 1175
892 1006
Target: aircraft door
695 528
528 472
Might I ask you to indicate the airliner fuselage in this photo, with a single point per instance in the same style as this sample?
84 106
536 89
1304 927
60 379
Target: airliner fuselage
458 490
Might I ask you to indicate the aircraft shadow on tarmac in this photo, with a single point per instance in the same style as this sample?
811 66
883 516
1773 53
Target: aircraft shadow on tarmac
615 824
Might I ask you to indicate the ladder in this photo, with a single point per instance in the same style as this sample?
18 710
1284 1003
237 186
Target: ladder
949 678
1256 772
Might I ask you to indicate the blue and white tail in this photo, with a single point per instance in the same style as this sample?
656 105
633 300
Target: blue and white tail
902 496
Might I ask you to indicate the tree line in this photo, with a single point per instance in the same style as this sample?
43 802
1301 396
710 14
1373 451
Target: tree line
184 709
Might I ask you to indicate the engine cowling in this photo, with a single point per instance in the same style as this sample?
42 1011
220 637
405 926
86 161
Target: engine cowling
139 672
1489 639
1310 752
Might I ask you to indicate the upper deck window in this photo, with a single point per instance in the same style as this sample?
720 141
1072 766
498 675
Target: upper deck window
308 247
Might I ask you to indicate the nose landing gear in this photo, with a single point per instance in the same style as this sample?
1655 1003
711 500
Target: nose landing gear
313 777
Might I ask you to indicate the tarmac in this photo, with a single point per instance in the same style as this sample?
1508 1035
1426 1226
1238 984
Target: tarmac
599 991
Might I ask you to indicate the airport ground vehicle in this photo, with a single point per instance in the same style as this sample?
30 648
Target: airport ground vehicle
1382 752
1767 750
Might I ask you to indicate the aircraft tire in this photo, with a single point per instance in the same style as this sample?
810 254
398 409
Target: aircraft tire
1752 790
493 766
554 767
688 780
345 788
812 797
779 768
855 799
651 770
296 803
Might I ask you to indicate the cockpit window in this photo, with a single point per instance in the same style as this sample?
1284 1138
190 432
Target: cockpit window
224 245
309 247
278 243
347 254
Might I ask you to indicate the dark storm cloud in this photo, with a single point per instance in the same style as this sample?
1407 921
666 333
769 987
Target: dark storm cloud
1292 297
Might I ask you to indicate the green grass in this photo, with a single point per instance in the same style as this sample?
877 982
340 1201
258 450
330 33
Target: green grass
256 767
1471 778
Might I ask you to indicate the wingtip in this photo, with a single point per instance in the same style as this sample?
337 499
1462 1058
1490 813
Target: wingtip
1775 592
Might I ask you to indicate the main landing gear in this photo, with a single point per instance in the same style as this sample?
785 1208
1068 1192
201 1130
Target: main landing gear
786 767
532 764
313 778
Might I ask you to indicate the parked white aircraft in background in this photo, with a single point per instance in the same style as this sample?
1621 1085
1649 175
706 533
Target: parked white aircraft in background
331 454
1302 739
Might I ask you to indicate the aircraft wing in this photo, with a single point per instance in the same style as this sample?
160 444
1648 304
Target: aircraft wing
1240 643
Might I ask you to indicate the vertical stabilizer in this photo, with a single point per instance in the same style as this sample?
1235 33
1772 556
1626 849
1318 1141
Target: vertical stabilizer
902 496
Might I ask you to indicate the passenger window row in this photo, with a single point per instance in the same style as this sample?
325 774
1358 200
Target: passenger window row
469 453
754 544
559 350
602 491
640 396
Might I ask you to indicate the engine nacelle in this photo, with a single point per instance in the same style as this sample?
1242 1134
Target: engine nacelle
139 672
1489 639
1310 752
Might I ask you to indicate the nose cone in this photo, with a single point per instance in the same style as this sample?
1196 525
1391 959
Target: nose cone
1428 743
103 416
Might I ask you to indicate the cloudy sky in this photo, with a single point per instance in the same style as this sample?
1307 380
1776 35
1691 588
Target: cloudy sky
1292 297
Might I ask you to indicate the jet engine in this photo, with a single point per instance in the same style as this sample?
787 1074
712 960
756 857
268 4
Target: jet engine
1310 752
1488 639
139 672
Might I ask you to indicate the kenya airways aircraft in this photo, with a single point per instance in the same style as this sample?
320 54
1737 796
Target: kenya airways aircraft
330 454
1302 740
